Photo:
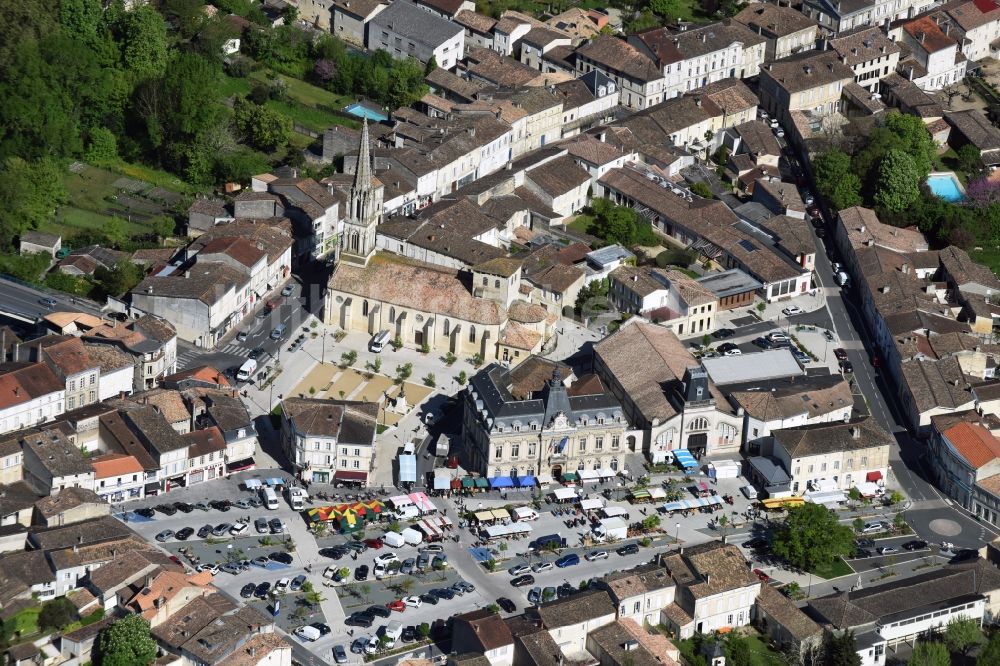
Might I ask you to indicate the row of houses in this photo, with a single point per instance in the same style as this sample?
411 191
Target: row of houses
193 428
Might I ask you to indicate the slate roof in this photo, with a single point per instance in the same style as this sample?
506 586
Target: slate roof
823 438
577 608
410 22
350 422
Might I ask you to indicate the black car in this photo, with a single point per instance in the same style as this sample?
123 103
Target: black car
763 343
862 553
184 507
522 581
817 222
428 598
183 533
409 634
727 347
334 553
360 620
846 367
284 558
322 628
145 513
820 232
255 353
865 543
628 549
755 543
380 611
506 604
247 590
204 531
964 555
358 546
565 590
361 573
723 333
447 594
166 509
261 591
221 505
916 544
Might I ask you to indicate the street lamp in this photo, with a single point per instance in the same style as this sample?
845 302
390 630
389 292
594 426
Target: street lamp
323 360
677 534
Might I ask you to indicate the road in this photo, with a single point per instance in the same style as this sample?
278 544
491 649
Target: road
22 300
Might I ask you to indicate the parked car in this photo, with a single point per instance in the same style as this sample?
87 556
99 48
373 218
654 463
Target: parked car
792 310
519 569
145 513
164 535
523 581
886 550
380 611
385 558
431 549
184 533
413 601
247 590
595 555
723 333
374 544
242 504
184 507
363 620
283 558
763 577
428 598
568 560
361 573
339 654
262 590
396 605
840 353
297 583
282 586
964 555
408 566
221 505
539 567
260 524
202 506
534 595
862 553
915 544
277 527
287 291
445 593
628 549
204 531
727 347
755 543
221 529
846 367
260 561
166 509
239 528
506 604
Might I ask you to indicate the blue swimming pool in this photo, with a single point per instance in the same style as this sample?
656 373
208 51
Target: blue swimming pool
361 111
944 184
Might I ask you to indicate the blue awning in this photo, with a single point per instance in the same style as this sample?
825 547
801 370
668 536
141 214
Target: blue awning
501 482
526 481
408 468
480 554
251 483
275 482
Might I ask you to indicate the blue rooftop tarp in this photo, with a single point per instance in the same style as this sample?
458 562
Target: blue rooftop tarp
480 554
693 503
526 481
408 468
501 482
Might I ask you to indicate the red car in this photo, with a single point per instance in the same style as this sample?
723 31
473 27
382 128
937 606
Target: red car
396 605
374 544
761 575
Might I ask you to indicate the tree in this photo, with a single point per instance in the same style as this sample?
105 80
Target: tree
30 192
738 652
895 497
672 9
164 227
56 614
403 372
969 160
990 654
349 358
840 650
142 34
702 190
651 522
127 642
898 183
103 147
962 634
424 630
793 590
811 536
430 380
261 127
926 653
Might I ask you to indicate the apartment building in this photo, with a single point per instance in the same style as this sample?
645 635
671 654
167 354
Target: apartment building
810 82
787 30
330 441
869 53
640 82
404 30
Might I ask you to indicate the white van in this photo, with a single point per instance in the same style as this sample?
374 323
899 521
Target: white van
269 498
245 373
379 342
297 498
308 633
749 492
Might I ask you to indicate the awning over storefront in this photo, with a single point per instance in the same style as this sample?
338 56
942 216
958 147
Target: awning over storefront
614 511
351 476
501 514
484 516
867 489
250 484
544 479
482 483
606 473
591 504
456 484
569 476
657 493
422 502
241 465
564 493
501 482
525 481
589 475
692 503
468 482
874 477
826 497
152 488
501 531
408 468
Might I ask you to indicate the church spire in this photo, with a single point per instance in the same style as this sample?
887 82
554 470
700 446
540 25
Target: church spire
363 174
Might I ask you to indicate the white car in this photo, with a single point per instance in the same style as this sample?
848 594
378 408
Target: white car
413 601
792 310
596 555
330 571
282 586
519 569
385 558
372 646
214 568
732 352
542 566
239 528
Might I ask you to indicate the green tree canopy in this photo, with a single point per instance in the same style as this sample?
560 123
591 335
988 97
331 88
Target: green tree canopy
811 536
143 38
29 194
898 184
926 653
127 642
990 654
962 634
839 650
836 180
57 613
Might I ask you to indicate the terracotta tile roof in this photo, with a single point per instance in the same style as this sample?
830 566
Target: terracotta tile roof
166 585
581 607
257 649
167 402
774 20
204 441
519 337
206 282
589 149
23 382
807 71
202 373
559 176
108 358
974 443
823 438
418 286
619 56
863 226
239 249
926 32
487 627
66 499
115 464
784 611
69 357
710 568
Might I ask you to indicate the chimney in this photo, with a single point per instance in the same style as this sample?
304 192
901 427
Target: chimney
149 580
856 432
884 289
905 268
697 102
253 650
921 37
17 391
704 37
708 579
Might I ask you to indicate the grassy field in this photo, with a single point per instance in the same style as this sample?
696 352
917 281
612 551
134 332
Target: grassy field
581 224
304 100
835 569
989 256
24 623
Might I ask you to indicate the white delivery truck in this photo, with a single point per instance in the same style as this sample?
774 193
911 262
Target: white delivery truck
393 631
393 540
412 536
245 373
297 498
378 342
269 498
525 513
